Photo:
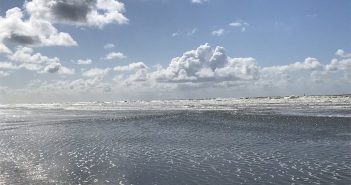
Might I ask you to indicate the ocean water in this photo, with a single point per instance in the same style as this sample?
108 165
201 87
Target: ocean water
305 140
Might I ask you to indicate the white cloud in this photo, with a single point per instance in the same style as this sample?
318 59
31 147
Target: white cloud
203 71
218 32
115 55
210 68
175 34
192 32
36 28
13 29
32 67
235 24
96 73
52 67
7 66
66 71
4 49
84 61
141 75
341 53
27 59
238 69
131 67
78 12
109 46
67 88
308 64
239 24
337 65
199 1
340 65
185 32
309 71
205 65
27 55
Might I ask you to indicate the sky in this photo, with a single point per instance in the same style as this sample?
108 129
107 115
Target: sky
106 50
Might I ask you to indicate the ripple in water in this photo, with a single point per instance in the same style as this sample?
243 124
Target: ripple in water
173 147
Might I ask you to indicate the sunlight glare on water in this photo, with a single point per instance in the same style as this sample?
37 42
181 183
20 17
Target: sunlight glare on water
183 143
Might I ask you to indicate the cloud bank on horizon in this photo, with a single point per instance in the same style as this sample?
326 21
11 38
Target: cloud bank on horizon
204 71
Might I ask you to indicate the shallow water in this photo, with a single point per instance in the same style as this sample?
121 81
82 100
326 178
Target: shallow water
190 146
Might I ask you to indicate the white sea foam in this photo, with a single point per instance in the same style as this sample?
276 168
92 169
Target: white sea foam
339 106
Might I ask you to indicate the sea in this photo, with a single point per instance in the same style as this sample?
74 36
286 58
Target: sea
221 141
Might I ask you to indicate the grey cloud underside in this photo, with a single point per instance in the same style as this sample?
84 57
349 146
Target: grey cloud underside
78 12
53 68
23 39
18 30
73 11
35 23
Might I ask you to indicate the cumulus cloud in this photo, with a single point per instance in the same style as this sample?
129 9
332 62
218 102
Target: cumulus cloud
208 67
336 65
96 73
309 64
115 55
15 29
78 12
138 72
309 70
37 29
204 70
52 67
206 64
7 66
341 53
218 32
27 55
342 63
27 59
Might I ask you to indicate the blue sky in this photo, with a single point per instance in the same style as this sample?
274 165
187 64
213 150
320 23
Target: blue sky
273 33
